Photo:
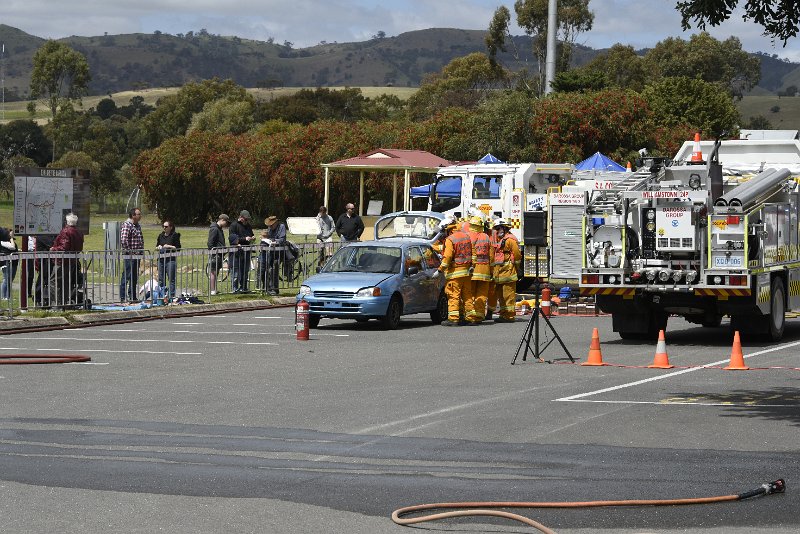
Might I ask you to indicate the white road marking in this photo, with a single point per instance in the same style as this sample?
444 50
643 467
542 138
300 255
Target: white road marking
662 403
129 351
267 317
123 340
188 324
230 332
247 324
448 409
573 398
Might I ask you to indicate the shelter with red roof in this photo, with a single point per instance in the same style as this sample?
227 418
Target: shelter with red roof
386 160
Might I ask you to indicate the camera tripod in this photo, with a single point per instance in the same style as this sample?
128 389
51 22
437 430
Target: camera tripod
532 328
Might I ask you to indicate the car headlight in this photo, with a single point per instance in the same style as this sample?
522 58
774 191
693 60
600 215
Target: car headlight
305 290
369 292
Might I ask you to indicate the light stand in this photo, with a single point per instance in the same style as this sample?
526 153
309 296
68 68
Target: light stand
532 328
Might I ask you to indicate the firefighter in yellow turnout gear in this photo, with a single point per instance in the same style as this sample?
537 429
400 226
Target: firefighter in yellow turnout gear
505 265
456 265
482 258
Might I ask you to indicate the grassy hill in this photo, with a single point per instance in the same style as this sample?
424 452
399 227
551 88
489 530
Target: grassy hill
137 61
787 118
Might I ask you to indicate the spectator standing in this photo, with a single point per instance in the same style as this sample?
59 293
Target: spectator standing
9 267
216 240
325 235
167 243
349 225
64 274
271 259
241 235
131 242
42 265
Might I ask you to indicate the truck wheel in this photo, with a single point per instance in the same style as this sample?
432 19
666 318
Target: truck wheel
658 321
713 322
776 320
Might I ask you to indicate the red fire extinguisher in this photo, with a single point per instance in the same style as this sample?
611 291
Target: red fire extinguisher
545 305
301 320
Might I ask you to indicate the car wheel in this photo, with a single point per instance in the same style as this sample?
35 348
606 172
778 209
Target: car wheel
440 313
391 320
313 321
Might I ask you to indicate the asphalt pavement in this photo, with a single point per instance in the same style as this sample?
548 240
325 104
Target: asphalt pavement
227 423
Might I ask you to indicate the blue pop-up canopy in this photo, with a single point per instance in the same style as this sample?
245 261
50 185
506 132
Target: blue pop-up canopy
488 158
447 188
598 162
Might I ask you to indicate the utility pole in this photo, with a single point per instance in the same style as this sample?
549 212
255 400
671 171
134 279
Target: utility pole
3 78
552 31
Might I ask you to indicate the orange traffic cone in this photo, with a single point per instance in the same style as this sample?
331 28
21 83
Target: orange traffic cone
628 167
737 358
595 357
697 154
661 361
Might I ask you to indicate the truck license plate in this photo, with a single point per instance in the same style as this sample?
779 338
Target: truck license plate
724 261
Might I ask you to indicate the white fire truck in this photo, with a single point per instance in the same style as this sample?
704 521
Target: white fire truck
519 193
700 241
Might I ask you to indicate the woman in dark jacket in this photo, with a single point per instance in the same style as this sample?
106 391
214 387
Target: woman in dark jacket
168 243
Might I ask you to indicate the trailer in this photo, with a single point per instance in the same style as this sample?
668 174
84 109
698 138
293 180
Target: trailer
700 241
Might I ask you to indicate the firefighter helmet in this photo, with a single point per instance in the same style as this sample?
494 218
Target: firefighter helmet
501 222
476 222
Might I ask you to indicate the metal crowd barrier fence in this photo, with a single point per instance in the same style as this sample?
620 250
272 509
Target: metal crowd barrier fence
74 280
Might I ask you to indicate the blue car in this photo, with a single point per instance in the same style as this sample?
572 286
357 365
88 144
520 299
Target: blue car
382 279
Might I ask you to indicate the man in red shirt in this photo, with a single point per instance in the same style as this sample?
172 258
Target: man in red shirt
64 276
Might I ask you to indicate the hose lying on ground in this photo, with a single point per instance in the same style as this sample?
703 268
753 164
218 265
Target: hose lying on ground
482 508
24 359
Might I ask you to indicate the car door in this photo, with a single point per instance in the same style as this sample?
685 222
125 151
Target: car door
434 285
414 287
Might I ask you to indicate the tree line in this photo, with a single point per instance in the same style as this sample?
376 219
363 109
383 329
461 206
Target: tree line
211 146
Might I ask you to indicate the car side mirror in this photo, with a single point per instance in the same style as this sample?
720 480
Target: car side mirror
413 270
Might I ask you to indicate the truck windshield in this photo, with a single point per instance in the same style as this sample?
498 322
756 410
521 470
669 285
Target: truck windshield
484 186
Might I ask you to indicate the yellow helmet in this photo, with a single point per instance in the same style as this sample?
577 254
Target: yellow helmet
476 222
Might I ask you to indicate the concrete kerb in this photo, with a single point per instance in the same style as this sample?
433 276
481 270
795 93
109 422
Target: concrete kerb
23 324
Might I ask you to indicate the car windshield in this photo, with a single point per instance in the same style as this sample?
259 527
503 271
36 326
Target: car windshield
365 259
407 226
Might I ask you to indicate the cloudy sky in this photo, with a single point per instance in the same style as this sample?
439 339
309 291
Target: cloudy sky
640 23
